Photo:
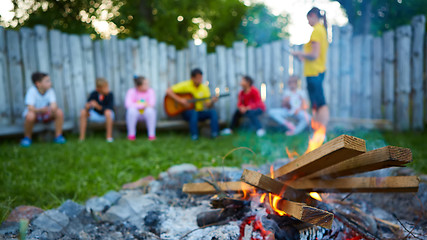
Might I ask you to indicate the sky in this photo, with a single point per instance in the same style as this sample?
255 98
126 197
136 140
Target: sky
299 29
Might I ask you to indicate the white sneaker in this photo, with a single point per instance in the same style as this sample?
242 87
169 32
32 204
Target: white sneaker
226 132
260 132
110 140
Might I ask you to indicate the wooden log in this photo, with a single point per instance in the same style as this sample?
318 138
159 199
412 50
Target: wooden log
5 101
263 182
403 78
307 213
330 153
359 184
356 86
15 75
56 67
345 72
28 49
377 78
42 49
335 73
207 188
418 29
389 71
385 157
366 98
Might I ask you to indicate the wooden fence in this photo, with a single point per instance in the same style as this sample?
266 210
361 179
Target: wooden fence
368 77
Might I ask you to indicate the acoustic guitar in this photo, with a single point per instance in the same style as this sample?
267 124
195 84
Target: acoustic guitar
173 108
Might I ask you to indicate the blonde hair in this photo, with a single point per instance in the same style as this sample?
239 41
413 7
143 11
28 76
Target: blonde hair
100 82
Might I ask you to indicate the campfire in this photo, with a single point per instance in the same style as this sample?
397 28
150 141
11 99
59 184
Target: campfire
294 197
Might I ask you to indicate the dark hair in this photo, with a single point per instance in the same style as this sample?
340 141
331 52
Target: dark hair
38 76
248 80
138 80
196 71
316 11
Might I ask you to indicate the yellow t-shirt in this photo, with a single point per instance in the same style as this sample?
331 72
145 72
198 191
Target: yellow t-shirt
314 68
202 91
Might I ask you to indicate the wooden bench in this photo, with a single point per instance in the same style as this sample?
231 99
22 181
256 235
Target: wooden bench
18 129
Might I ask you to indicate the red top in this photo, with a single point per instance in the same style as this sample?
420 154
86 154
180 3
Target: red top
252 99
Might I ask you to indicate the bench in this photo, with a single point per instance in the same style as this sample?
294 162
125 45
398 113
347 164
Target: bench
18 129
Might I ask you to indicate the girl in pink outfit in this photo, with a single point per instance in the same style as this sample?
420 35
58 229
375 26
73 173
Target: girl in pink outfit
140 103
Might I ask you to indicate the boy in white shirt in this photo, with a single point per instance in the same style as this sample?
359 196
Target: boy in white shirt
294 106
41 107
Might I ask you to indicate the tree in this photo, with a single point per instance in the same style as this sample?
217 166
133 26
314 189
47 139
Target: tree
260 26
377 16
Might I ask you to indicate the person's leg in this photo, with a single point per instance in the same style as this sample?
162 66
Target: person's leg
109 120
323 115
132 115
83 123
302 122
192 117
59 121
279 115
235 120
213 116
253 117
30 119
150 118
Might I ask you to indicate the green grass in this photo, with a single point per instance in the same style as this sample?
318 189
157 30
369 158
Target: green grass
46 174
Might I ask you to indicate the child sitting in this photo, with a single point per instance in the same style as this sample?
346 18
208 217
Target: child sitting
41 107
294 106
140 102
99 108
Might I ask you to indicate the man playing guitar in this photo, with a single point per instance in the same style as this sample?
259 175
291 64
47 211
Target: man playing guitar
202 109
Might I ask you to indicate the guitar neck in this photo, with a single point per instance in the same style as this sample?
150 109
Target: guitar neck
207 98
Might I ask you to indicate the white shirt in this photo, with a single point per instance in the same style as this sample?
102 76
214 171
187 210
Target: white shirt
36 99
295 98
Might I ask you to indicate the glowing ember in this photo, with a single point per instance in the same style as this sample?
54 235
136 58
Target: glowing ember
256 226
316 196
318 136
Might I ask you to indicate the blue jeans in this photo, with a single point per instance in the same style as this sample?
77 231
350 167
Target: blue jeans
193 117
315 91
251 114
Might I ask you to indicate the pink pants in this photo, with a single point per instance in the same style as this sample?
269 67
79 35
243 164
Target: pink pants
132 117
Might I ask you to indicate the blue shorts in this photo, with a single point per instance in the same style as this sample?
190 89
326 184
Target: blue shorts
315 91
96 117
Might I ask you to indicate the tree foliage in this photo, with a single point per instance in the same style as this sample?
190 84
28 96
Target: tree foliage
377 16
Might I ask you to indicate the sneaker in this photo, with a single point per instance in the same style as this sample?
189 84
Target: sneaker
60 140
260 132
226 132
110 140
131 138
194 137
152 138
26 142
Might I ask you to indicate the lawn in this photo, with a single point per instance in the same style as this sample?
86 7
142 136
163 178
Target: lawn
45 174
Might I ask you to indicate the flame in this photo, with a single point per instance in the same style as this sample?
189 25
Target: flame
262 198
276 200
291 155
316 196
318 136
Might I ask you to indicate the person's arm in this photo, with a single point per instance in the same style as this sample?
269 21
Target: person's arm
177 98
110 102
30 101
151 101
257 101
129 99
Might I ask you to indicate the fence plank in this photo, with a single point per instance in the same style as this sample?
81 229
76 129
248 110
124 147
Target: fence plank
129 65
15 73
222 82
232 82
67 80
212 74
377 79
5 101
335 72
172 64
28 49
418 29
239 50
403 79
259 66
144 56
267 74
389 71
120 89
277 75
356 86
285 63
88 64
42 49
180 65
154 60
366 100
100 60
77 77
163 77
250 53
137 66
345 74
56 65
107 62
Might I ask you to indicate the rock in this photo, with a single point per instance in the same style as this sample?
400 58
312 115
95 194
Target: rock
143 182
120 212
74 228
71 209
51 221
97 204
154 187
112 197
182 168
9 228
143 203
23 212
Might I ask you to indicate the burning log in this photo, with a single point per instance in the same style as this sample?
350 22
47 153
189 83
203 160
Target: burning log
263 182
332 152
227 209
359 184
385 157
207 188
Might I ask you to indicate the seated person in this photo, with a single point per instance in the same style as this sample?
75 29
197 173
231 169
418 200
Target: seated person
249 105
294 106
99 108
41 107
140 105
203 109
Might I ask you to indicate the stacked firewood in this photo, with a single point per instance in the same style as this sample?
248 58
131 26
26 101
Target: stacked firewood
327 169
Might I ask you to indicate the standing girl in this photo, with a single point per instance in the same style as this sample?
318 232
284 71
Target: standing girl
140 104
314 57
